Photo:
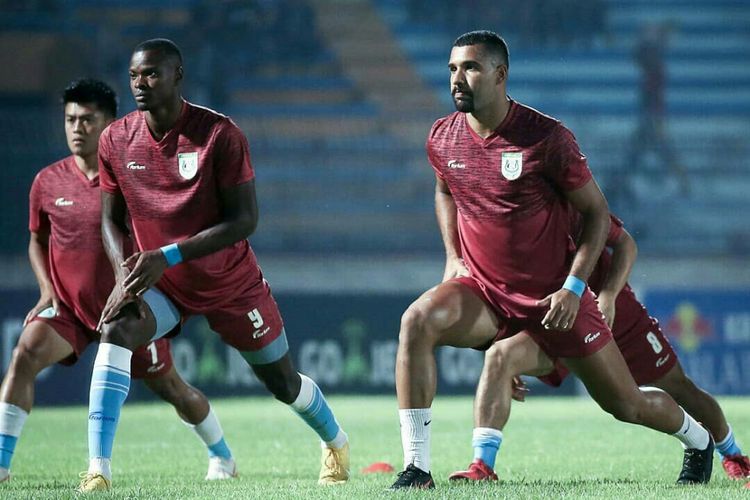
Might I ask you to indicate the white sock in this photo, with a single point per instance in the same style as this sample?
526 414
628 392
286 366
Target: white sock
339 441
209 430
101 465
313 408
12 419
692 434
415 436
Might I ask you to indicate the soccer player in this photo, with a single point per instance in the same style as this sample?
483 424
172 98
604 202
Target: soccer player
506 174
646 350
183 174
75 278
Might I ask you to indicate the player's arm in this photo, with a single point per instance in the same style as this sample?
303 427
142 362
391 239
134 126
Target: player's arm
239 209
563 304
624 253
114 231
38 257
114 238
447 219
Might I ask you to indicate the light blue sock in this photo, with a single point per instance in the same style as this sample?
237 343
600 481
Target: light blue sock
486 442
313 408
209 431
220 449
110 383
12 419
728 446
7 447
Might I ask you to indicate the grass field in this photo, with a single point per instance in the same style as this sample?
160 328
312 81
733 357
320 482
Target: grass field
554 448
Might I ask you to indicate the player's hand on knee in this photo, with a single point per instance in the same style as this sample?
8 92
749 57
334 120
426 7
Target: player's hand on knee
118 299
563 308
606 304
519 389
146 269
47 300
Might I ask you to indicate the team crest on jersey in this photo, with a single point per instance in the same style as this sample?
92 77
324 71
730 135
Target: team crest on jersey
511 165
188 164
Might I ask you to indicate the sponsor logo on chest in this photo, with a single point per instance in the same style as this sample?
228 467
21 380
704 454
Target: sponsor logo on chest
511 165
454 164
187 164
62 202
134 165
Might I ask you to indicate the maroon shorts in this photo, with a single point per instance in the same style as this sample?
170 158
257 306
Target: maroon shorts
646 350
250 323
150 361
589 333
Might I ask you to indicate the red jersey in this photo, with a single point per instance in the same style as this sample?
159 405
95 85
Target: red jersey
171 188
513 221
65 204
599 274
630 315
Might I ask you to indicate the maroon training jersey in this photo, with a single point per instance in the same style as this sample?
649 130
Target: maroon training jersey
599 274
171 188
65 204
513 221
631 317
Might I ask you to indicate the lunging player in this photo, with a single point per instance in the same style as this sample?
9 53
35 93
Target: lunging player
506 175
183 174
75 278
647 352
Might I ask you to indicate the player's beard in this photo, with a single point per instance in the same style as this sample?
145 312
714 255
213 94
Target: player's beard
464 105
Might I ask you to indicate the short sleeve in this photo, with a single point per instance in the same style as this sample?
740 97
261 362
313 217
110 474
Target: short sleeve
431 157
232 156
565 164
107 179
38 218
615 230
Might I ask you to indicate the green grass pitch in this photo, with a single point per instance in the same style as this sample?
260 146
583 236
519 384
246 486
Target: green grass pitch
554 448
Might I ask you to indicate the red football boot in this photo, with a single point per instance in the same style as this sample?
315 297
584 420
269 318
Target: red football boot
478 471
736 466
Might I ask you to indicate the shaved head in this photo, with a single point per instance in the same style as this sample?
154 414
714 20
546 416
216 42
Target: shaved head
166 48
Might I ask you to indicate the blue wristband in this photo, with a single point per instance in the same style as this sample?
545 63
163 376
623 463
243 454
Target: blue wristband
172 254
575 285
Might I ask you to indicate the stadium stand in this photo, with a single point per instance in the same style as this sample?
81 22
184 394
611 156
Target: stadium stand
593 88
337 98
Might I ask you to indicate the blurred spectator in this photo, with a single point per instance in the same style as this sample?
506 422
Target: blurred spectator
650 135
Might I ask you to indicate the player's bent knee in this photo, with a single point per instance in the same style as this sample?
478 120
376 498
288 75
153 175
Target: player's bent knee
121 333
25 360
419 326
496 360
622 410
